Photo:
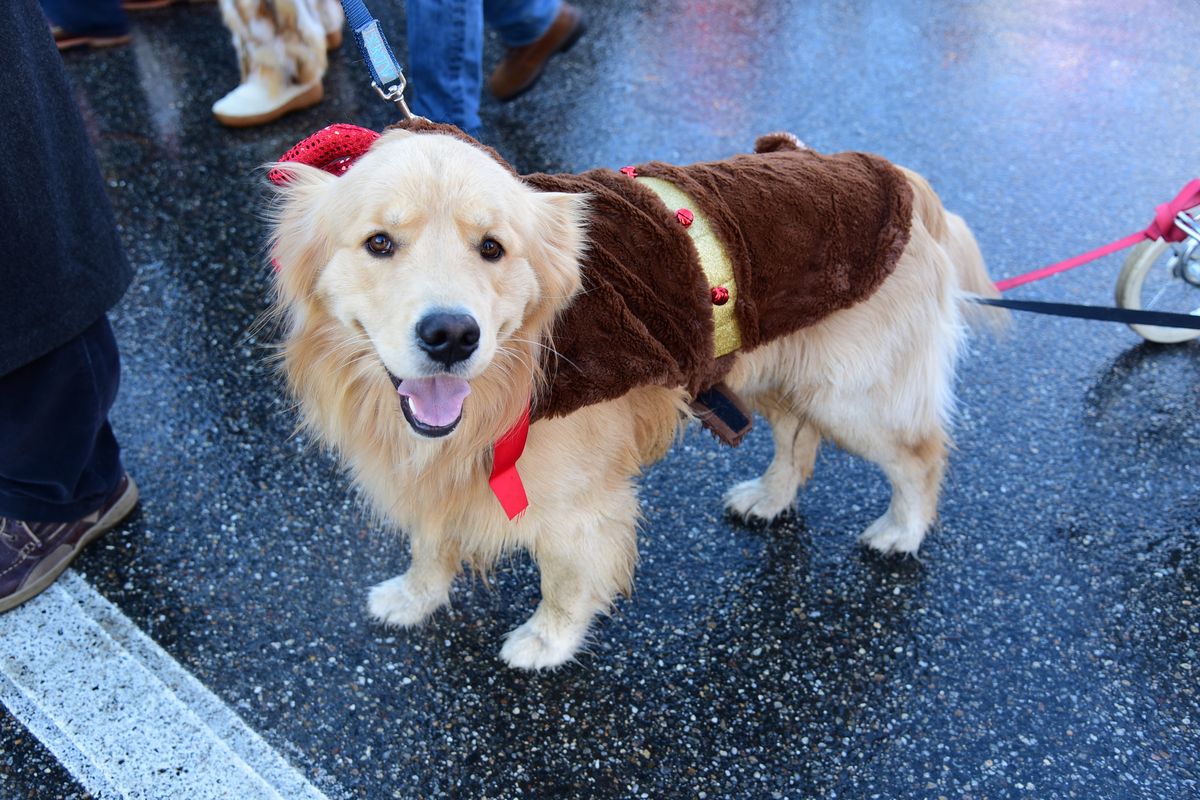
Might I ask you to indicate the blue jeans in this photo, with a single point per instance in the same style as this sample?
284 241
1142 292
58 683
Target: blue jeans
445 50
97 17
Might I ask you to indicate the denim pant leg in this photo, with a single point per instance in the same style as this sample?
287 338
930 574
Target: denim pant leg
520 22
59 460
98 17
445 50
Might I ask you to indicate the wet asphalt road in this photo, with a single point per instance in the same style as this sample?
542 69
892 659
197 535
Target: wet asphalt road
1045 644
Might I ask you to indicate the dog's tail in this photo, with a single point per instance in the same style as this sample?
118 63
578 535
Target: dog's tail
952 233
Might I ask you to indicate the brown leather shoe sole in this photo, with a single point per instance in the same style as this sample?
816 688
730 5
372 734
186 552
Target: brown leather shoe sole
118 512
66 41
299 102
151 5
567 43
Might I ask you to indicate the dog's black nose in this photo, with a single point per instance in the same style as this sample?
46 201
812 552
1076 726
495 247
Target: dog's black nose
448 338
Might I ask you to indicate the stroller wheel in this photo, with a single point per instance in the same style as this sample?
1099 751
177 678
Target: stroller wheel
1152 279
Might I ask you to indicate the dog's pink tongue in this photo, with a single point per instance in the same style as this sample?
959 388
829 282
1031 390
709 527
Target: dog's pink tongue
436 401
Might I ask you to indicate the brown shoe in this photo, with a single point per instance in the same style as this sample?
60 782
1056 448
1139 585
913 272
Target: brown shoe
33 554
67 40
150 5
520 68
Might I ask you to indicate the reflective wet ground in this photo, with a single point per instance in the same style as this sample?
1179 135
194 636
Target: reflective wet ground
1045 644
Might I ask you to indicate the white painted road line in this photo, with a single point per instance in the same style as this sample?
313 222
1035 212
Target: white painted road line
123 716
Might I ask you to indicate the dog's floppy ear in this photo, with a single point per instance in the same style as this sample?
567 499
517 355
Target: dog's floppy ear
301 178
300 243
557 240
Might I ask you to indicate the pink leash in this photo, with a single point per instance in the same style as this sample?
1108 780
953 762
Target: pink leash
1161 227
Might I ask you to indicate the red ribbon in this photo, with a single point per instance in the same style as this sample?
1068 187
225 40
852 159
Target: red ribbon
1161 227
505 481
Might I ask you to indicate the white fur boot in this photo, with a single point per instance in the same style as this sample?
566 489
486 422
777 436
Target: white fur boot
281 51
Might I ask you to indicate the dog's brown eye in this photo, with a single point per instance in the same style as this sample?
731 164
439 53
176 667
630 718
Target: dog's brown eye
491 249
380 245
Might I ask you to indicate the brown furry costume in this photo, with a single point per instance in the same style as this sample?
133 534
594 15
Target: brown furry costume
807 234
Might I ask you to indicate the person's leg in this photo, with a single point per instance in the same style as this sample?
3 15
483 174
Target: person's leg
61 480
97 18
59 460
445 47
520 22
534 32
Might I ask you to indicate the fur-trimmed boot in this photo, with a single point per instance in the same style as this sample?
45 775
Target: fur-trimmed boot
281 46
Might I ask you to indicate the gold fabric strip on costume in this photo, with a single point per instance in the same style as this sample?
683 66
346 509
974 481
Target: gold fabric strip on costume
713 260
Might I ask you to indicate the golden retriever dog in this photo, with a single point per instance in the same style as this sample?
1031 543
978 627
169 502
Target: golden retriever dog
429 227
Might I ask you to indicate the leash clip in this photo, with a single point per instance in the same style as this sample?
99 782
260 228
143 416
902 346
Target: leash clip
387 78
395 94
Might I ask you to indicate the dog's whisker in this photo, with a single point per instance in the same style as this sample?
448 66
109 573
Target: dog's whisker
547 347
515 356
559 356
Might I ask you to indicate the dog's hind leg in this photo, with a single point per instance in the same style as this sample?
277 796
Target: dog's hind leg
915 469
585 563
796 442
409 599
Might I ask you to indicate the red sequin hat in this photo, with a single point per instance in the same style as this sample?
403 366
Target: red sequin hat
333 149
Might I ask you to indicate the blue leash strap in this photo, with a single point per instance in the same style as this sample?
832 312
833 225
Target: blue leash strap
386 75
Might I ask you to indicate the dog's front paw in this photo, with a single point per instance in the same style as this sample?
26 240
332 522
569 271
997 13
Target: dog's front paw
535 646
757 501
888 536
394 602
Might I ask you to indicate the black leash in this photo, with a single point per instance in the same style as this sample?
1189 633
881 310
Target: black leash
1129 316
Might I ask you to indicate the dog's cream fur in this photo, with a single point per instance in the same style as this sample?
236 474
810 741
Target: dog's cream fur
876 379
